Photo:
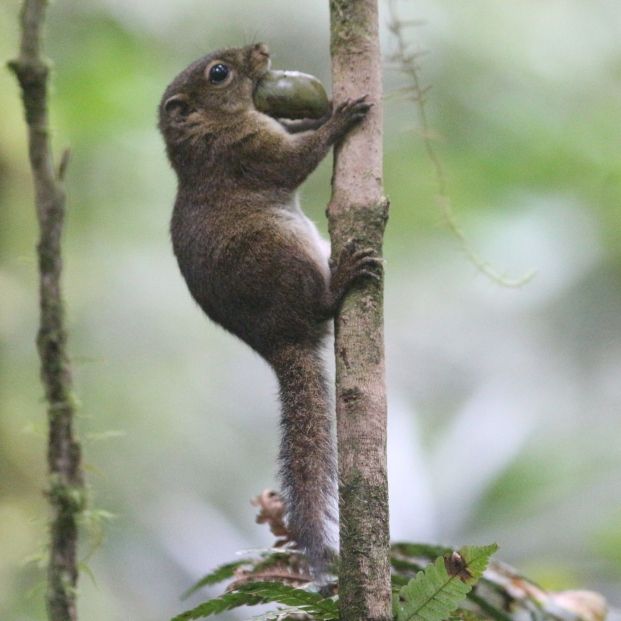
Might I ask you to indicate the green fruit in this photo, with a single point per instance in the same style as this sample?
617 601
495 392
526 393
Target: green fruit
291 95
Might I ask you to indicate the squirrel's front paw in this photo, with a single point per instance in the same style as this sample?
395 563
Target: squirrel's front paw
348 114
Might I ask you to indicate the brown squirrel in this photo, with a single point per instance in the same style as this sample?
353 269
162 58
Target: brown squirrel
255 263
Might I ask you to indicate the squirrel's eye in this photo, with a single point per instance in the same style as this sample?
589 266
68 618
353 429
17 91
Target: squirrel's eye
218 73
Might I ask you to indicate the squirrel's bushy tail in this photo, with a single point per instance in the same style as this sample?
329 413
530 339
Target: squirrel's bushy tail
307 451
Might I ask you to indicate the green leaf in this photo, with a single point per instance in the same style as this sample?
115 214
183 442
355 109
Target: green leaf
314 604
489 609
223 572
438 590
277 615
220 604
397 581
404 567
477 558
270 559
419 550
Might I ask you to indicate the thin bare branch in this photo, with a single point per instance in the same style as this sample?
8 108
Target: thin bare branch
66 488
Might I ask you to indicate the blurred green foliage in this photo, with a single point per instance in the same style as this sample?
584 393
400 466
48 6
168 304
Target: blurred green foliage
526 107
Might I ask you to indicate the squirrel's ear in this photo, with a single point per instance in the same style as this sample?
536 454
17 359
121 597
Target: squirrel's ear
177 105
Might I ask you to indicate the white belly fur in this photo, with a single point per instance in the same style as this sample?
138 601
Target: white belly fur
307 234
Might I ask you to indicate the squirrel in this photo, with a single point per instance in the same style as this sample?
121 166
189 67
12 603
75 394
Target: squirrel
255 263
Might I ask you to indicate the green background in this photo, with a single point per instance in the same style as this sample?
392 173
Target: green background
504 404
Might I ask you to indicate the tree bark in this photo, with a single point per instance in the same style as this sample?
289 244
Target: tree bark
358 210
66 488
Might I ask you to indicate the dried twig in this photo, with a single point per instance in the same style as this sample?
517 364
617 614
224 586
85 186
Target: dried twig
407 62
66 489
272 512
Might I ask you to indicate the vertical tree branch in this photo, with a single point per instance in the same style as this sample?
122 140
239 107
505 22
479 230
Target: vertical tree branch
358 210
66 490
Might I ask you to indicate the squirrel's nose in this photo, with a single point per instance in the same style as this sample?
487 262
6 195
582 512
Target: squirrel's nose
261 49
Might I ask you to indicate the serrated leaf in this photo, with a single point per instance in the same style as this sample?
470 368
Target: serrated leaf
276 615
255 593
223 572
405 567
439 589
272 559
477 558
312 603
219 604
397 581
419 550
489 609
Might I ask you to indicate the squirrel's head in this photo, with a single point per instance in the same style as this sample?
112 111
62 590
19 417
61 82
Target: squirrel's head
218 84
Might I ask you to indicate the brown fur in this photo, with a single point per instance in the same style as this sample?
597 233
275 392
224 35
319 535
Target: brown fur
252 260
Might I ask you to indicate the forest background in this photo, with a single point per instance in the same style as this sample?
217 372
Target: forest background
503 403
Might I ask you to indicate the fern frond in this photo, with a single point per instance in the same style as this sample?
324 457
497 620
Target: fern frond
493 612
280 614
418 550
221 573
314 604
219 604
477 558
439 589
